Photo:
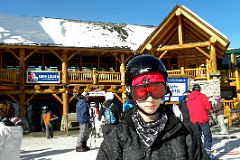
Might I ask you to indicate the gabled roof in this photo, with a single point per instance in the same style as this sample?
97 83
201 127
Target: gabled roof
194 29
21 30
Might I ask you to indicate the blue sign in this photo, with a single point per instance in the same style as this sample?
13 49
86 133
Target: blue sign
43 77
177 86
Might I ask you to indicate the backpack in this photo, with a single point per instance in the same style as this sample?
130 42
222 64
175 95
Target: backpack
109 115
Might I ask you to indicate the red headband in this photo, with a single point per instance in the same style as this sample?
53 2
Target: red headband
145 78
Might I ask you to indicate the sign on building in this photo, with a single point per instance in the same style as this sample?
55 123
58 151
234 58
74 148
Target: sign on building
177 86
43 77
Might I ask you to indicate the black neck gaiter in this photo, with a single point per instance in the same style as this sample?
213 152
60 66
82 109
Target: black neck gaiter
148 131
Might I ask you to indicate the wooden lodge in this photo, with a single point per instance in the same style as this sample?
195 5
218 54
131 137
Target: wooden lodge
92 56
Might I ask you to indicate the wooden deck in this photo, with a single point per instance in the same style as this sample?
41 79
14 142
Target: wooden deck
11 77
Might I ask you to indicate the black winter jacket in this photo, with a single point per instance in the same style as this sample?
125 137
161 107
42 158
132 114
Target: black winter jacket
176 142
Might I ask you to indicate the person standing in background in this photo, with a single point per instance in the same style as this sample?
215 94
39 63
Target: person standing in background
83 117
96 124
16 108
47 119
111 113
11 133
219 111
198 107
29 114
184 109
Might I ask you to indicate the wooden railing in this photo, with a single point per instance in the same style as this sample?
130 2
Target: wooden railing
80 76
197 73
115 77
9 76
229 106
227 74
109 76
12 76
94 77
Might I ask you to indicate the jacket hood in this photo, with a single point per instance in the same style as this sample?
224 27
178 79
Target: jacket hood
193 94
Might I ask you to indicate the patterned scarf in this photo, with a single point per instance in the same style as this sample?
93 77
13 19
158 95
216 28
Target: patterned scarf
148 131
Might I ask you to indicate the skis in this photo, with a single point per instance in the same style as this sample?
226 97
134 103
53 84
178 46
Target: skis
224 137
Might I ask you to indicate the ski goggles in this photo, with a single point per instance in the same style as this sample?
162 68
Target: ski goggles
141 92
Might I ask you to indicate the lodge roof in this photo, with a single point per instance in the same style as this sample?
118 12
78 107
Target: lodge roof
43 31
194 29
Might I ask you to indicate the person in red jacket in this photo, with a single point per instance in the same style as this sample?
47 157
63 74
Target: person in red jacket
198 107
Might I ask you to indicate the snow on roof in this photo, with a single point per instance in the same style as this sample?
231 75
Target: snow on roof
70 33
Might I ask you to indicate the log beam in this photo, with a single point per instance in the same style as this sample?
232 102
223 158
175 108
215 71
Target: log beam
163 54
58 98
30 54
183 46
14 54
203 52
57 55
118 97
71 56
29 99
213 53
180 30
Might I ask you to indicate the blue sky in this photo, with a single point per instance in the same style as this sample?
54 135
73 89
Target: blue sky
223 15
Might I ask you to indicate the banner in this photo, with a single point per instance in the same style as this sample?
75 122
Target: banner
43 77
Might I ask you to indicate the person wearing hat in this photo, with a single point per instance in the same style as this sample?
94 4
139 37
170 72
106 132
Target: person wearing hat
183 108
96 124
83 117
11 133
150 130
198 107
111 113
47 119
219 111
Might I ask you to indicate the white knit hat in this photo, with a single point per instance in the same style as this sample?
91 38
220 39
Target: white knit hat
109 96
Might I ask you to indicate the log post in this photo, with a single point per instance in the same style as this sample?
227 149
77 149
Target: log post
122 70
180 30
232 61
64 80
208 74
22 83
213 53
182 71
237 81
64 94
94 76
207 67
